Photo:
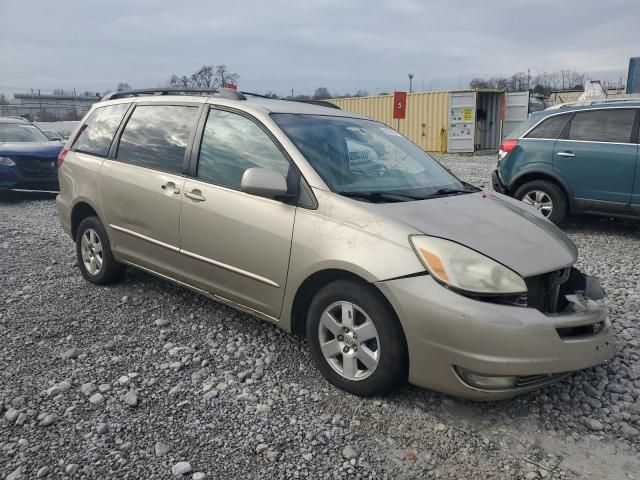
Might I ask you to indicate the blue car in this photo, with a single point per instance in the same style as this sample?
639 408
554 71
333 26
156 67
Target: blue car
575 158
28 159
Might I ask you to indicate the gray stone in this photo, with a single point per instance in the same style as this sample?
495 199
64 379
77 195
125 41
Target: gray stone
88 388
349 453
104 387
15 475
616 388
131 398
48 420
43 472
102 428
175 390
161 449
72 469
11 415
58 388
198 476
71 354
594 424
247 397
96 398
180 469
261 447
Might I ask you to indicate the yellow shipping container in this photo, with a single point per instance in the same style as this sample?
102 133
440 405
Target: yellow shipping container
427 116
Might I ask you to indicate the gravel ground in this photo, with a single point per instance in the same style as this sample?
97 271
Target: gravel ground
145 379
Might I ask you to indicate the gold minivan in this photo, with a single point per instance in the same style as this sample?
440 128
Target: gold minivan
334 227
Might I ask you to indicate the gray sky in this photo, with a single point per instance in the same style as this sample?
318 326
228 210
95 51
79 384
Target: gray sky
344 45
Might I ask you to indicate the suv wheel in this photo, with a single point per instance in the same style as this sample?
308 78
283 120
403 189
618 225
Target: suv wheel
355 340
95 259
547 197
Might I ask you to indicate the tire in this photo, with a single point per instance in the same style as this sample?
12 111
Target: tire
542 190
105 271
388 346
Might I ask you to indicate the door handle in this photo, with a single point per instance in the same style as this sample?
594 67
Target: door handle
566 154
171 187
195 195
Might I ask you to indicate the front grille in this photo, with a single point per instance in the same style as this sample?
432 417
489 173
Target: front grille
544 290
36 167
532 380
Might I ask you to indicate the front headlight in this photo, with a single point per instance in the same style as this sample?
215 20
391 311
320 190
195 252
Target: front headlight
465 269
7 162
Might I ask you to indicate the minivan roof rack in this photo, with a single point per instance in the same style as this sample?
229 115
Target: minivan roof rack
321 103
219 92
634 98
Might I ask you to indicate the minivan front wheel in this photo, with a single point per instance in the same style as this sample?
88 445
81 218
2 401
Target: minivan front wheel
545 196
93 250
355 340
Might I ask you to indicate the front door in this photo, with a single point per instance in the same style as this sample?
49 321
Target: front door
597 158
236 245
141 188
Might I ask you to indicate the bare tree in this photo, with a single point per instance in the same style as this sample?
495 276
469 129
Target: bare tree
207 76
321 93
179 82
3 99
203 78
224 77
123 87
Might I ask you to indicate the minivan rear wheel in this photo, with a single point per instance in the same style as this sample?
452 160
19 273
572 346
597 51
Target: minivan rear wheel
547 197
355 339
93 250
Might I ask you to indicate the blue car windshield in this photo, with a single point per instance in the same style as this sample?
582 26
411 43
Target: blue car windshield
361 156
21 132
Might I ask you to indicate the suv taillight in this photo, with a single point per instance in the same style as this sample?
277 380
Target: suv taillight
506 146
61 155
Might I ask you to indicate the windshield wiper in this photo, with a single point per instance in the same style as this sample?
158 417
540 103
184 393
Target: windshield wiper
376 197
452 191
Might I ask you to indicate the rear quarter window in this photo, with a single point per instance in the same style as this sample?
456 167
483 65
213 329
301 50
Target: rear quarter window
550 128
97 133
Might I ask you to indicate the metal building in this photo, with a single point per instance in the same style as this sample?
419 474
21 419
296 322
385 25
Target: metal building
448 121
45 108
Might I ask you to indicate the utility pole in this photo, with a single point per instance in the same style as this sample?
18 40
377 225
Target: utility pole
292 94
410 82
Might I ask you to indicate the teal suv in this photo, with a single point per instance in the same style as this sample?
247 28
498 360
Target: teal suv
575 158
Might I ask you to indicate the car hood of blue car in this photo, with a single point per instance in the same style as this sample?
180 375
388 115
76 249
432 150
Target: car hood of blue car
30 149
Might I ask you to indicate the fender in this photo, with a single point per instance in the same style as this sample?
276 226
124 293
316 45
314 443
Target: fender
544 170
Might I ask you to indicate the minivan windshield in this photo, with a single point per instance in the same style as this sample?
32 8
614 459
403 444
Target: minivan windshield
368 160
21 132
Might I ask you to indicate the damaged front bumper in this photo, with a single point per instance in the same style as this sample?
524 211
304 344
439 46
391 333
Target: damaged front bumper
456 342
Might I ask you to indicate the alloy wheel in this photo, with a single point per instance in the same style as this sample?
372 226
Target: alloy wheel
539 200
349 340
91 249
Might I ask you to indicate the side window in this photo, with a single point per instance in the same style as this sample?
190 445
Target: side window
96 136
156 136
231 144
550 128
602 126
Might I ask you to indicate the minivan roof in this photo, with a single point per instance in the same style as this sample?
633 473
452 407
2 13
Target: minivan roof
225 96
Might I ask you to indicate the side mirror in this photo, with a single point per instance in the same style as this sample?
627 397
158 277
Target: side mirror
263 183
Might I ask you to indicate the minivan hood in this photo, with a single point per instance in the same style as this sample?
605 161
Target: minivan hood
493 224
31 149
